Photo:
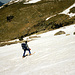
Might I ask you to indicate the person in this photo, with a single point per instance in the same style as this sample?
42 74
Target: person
25 47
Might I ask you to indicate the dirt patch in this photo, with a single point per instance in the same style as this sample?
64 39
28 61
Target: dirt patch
30 38
59 33
34 37
67 34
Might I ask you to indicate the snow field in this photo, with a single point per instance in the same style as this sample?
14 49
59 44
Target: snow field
54 55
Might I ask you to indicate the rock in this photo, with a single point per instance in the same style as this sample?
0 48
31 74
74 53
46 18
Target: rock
9 18
74 33
67 34
59 33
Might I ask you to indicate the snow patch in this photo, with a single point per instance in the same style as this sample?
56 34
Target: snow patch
1 7
50 17
65 12
68 10
32 1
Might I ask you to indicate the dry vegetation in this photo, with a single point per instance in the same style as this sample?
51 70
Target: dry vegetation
29 19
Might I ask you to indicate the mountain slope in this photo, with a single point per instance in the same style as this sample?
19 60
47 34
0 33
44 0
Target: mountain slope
25 17
54 55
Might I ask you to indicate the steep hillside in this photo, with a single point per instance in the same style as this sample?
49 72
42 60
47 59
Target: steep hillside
54 55
23 18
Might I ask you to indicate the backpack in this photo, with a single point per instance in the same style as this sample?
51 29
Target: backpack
24 46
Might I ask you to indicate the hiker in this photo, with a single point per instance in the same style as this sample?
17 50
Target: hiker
25 47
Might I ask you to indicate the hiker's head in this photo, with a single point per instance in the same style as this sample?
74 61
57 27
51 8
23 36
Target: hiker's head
25 41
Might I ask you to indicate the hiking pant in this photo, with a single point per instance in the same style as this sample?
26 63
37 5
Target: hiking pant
25 52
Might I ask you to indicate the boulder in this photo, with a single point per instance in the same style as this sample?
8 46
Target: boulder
74 33
59 33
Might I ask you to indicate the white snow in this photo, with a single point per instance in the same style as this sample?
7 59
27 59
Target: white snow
26 1
15 0
68 10
54 55
31 1
65 12
50 17
1 7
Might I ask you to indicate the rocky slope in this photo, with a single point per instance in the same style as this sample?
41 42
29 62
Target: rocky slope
18 20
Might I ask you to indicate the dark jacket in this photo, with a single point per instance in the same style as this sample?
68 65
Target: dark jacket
24 46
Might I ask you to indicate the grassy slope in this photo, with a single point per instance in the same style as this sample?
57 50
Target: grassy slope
54 23
27 16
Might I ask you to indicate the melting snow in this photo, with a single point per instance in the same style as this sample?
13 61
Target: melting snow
54 55
68 10
32 1
65 12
